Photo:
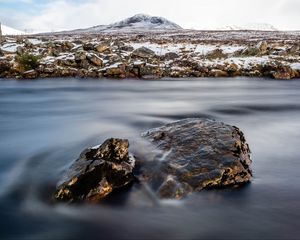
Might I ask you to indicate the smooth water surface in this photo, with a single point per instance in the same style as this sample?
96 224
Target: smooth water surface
45 124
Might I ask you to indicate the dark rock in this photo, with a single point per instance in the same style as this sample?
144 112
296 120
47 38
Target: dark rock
126 48
97 172
170 56
88 46
195 154
5 66
143 52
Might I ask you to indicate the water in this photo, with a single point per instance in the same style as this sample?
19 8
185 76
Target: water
45 124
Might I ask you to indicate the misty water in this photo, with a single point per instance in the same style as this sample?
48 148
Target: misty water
45 124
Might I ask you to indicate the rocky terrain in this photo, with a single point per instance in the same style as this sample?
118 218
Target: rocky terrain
155 54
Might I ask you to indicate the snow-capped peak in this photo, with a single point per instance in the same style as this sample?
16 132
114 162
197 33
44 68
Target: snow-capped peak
144 21
250 26
260 27
138 22
10 31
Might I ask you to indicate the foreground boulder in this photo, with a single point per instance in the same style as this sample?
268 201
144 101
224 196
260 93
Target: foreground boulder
196 154
97 172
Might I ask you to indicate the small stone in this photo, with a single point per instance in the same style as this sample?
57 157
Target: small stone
103 48
95 60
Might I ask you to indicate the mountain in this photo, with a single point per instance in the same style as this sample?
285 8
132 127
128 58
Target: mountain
250 26
139 22
260 27
10 31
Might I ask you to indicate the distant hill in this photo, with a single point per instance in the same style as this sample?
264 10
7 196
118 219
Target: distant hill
250 26
10 31
139 22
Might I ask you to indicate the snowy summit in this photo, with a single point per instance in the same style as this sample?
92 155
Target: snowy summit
138 22
143 21
10 31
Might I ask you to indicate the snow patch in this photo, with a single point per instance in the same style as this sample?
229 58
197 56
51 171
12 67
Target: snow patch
295 66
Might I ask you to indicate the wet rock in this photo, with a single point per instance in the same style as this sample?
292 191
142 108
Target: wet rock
31 74
5 66
196 154
149 70
218 73
284 72
97 172
143 52
117 71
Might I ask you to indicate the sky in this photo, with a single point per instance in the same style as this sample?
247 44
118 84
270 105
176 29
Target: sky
55 15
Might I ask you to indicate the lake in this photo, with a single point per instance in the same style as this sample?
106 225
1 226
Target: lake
45 124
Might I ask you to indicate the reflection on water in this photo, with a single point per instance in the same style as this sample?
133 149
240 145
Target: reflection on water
45 124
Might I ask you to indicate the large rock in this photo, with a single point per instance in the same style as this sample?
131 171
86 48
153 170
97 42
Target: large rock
195 154
143 52
97 172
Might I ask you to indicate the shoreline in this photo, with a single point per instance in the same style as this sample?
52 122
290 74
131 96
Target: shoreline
152 56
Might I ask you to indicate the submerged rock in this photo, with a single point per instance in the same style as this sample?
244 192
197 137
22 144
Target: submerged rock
196 154
185 156
97 172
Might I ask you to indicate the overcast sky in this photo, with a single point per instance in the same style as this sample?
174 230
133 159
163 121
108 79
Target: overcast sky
53 15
